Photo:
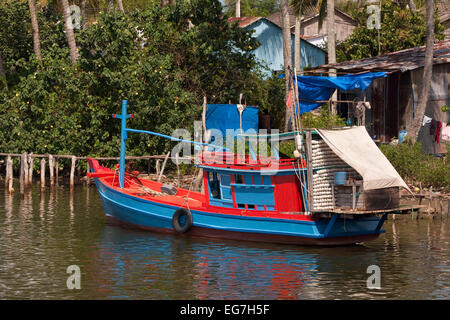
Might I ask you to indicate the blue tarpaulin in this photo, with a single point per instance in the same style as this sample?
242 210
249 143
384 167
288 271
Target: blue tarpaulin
226 116
311 88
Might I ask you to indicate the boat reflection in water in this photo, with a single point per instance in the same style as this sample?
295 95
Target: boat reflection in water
135 264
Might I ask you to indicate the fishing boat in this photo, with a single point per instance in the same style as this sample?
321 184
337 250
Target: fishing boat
337 189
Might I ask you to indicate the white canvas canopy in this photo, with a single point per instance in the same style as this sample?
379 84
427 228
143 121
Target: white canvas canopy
357 149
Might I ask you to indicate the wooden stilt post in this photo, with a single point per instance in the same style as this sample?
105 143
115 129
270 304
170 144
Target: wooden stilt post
9 174
56 172
42 173
72 170
177 155
30 168
158 167
25 169
22 177
51 164
88 180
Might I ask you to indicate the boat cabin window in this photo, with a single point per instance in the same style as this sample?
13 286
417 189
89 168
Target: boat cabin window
251 191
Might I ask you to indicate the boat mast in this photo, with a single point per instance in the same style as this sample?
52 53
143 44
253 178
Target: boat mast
123 137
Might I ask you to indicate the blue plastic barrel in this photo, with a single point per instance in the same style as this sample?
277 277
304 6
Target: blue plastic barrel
402 135
340 178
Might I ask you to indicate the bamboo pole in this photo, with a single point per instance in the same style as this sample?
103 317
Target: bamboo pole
30 168
178 168
51 169
21 176
309 168
199 179
88 180
56 172
25 169
163 166
158 166
9 174
72 171
42 173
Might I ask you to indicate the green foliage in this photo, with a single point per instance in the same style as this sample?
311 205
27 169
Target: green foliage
153 58
400 29
412 164
322 120
252 8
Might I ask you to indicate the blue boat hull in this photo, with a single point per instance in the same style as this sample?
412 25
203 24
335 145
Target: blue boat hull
149 215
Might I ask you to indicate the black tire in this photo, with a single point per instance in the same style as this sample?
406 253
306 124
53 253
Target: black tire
180 213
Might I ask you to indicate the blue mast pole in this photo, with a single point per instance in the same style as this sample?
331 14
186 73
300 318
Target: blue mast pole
123 136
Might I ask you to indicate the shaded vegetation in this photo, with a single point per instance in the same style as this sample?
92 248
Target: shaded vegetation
415 166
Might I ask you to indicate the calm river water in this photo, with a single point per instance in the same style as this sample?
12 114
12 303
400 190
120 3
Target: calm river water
42 234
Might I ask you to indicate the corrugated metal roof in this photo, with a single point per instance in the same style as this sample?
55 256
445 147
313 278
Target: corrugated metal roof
403 60
443 10
244 21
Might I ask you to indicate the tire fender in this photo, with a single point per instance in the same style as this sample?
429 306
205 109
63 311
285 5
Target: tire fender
176 220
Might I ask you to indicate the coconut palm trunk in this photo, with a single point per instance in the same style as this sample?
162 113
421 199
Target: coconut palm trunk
413 131
84 14
69 32
120 5
35 30
297 42
331 40
287 56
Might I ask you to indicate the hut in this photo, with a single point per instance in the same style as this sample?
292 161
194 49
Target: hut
309 30
270 51
394 99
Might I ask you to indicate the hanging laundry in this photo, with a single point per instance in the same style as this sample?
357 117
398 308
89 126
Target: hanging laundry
426 120
438 132
433 127
445 132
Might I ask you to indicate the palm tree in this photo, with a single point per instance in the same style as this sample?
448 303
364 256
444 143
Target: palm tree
413 131
120 4
287 56
301 7
69 31
328 7
35 30
84 15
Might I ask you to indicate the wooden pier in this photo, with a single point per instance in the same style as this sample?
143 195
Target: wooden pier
27 162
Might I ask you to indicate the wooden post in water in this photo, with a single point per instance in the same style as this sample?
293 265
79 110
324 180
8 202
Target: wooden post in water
56 172
21 176
30 168
88 180
9 174
25 169
42 173
51 164
72 171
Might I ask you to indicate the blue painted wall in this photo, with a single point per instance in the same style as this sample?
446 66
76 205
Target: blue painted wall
271 49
